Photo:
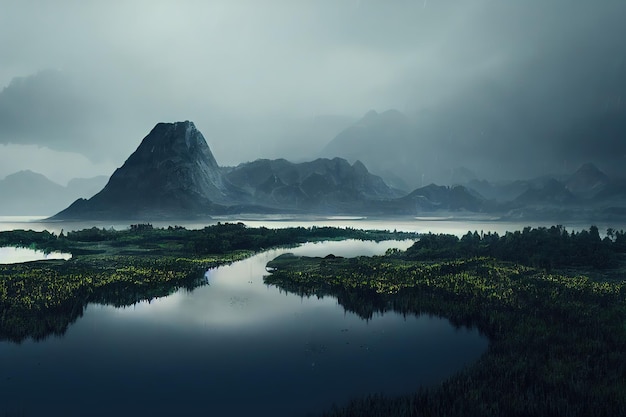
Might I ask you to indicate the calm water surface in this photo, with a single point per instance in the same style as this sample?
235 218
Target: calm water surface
17 255
235 347
407 223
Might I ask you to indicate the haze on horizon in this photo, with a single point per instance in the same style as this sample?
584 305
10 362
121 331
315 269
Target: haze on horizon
81 83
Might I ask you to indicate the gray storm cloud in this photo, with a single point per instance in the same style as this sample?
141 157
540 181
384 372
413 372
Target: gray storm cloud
499 80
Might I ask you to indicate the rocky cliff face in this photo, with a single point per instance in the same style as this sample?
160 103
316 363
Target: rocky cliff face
171 174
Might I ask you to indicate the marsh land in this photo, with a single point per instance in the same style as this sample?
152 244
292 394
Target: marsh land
540 315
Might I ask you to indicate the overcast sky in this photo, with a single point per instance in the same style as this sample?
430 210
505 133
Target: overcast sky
82 82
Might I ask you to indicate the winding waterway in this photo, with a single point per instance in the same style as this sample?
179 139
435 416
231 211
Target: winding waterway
235 347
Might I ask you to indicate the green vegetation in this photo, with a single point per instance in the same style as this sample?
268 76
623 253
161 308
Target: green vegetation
540 247
124 267
557 342
557 333
217 239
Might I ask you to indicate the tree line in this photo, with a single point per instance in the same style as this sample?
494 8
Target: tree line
540 247
219 238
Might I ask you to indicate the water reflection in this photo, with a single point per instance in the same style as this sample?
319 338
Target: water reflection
19 255
235 347
236 296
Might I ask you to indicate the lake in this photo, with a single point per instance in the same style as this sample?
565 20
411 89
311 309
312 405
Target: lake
234 347
402 223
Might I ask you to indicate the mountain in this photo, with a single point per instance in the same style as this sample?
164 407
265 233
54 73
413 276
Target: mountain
587 186
321 185
435 198
548 191
27 193
412 151
588 181
438 197
171 174
586 195
507 191
377 140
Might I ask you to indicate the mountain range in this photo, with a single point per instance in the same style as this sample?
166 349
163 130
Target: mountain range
484 139
173 174
322 185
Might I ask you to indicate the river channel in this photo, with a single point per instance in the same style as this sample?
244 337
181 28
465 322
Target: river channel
234 347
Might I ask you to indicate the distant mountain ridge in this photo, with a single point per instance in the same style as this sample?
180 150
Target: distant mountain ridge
27 193
490 134
585 193
436 199
173 174
375 140
322 184
588 181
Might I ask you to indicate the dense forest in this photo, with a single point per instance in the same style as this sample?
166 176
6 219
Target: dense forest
541 247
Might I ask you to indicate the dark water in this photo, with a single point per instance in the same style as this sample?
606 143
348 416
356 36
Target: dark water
233 348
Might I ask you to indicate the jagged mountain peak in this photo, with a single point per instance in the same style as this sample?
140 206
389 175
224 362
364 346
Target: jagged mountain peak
359 167
172 173
178 131
170 140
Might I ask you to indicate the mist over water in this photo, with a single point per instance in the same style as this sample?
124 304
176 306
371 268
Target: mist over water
404 224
